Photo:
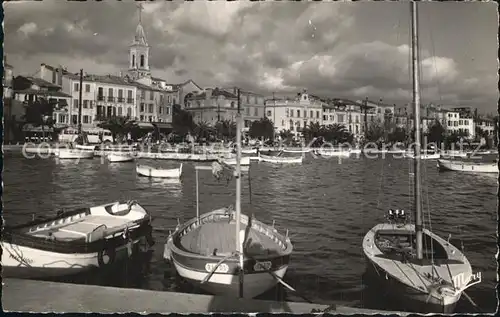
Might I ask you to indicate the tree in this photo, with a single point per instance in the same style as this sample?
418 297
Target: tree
118 126
203 130
336 133
182 121
312 130
375 131
286 136
39 113
263 128
397 135
226 129
436 133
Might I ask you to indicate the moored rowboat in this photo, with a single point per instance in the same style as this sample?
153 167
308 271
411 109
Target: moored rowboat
280 159
74 154
197 247
74 241
471 167
148 171
120 157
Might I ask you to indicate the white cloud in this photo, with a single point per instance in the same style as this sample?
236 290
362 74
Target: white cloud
28 28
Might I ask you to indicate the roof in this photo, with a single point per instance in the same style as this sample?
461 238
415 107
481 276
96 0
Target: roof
380 103
43 93
40 82
140 36
215 93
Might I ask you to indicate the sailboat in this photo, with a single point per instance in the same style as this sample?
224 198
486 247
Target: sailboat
411 263
225 252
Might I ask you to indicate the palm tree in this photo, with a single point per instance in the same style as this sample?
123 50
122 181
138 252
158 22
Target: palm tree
118 126
203 130
226 129
337 133
286 136
312 130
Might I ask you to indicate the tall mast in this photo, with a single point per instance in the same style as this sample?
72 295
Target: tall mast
80 104
239 247
416 109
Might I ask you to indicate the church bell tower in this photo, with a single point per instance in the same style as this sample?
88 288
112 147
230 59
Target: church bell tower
139 52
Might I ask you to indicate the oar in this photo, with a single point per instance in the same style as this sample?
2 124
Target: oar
472 302
284 283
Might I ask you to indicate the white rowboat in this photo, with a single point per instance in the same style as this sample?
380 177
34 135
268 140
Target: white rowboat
148 171
471 167
120 157
74 241
280 159
74 154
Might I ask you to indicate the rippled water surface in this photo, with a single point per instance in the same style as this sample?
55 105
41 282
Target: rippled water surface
327 207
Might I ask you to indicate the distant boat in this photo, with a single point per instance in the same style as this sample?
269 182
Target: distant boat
297 150
280 159
424 155
454 154
85 147
249 151
245 161
148 171
74 154
467 166
333 152
74 241
117 157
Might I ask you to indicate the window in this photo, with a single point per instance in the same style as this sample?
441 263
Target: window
167 110
291 113
75 103
160 109
169 98
232 104
150 108
90 104
317 114
247 110
62 118
100 94
298 113
85 104
143 94
256 111
129 94
269 113
142 107
133 61
85 119
142 60
357 129
74 119
282 123
53 77
311 114
119 111
129 112
151 95
87 87
76 87
110 92
340 118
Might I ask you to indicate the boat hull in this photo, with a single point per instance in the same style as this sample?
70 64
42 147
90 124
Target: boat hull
160 173
406 298
118 158
448 165
232 161
280 160
254 284
74 154
424 156
25 262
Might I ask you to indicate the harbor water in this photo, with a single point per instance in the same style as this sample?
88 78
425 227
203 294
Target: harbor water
326 204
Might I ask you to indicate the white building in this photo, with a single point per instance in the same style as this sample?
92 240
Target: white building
294 114
486 124
347 113
458 122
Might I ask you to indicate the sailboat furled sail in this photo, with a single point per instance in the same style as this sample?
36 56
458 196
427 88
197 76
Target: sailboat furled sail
414 265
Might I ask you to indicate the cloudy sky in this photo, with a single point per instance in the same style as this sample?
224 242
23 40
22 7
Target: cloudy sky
349 50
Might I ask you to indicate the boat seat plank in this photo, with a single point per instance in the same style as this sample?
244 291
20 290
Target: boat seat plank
110 221
220 236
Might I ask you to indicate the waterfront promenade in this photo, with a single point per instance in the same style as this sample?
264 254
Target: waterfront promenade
27 296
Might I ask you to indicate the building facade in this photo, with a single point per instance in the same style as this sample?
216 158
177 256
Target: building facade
212 105
294 114
28 90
